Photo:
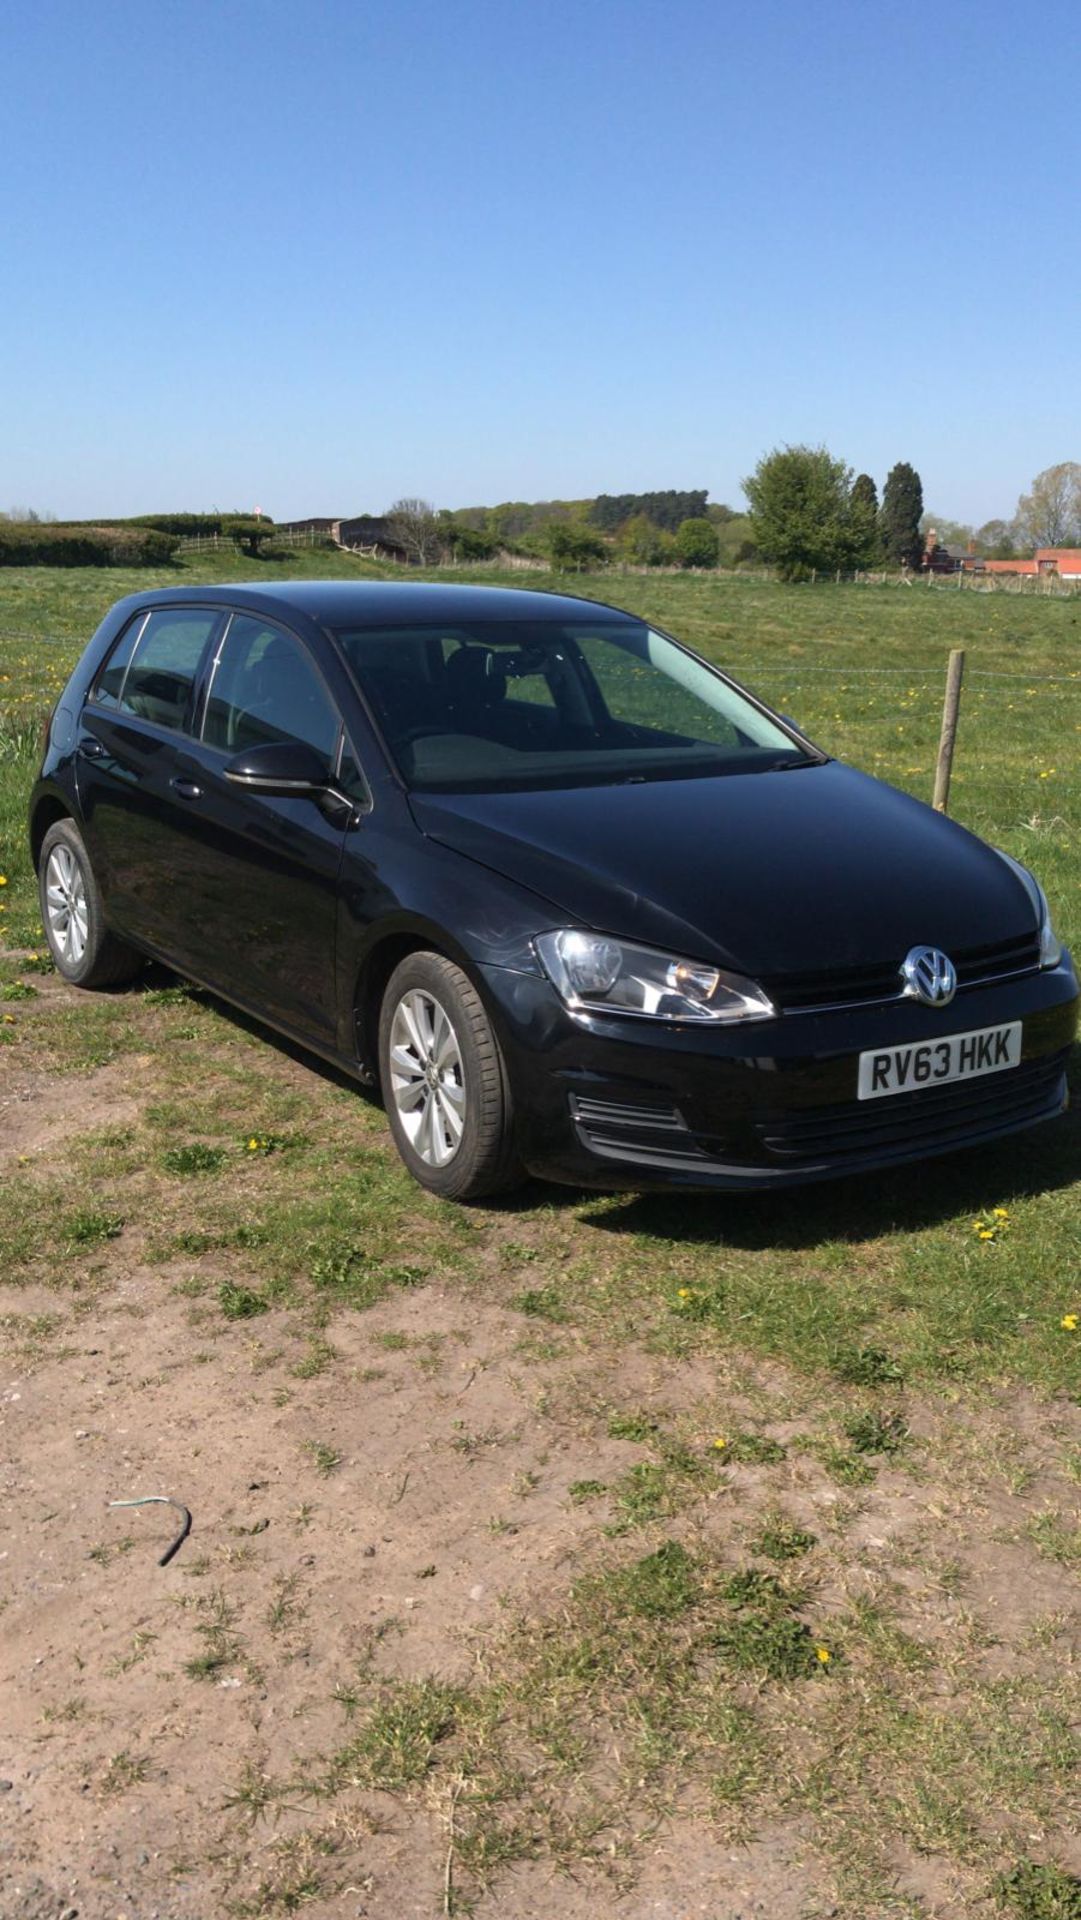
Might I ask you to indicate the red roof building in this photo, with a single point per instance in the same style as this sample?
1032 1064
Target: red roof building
1065 561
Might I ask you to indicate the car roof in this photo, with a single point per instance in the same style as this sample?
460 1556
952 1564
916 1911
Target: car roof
391 603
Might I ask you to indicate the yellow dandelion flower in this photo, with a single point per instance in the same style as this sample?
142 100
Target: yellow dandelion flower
720 1443
3 879
1001 1213
253 1145
1069 1322
987 1233
684 1293
823 1655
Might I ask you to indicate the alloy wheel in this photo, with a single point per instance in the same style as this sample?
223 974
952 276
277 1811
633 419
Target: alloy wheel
427 1081
65 898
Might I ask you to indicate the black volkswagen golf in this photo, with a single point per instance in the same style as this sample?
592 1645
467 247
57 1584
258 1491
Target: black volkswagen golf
578 904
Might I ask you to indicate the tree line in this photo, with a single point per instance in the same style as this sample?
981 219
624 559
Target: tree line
807 513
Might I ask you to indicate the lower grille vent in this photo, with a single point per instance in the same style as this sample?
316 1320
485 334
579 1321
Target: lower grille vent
617 1113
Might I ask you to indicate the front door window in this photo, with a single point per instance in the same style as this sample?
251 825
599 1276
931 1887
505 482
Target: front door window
266 689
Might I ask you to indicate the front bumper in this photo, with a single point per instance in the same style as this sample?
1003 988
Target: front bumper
622 1103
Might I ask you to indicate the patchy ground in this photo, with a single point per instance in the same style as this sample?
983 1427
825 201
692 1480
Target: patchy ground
512 1587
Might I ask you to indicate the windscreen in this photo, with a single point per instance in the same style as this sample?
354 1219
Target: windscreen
539 703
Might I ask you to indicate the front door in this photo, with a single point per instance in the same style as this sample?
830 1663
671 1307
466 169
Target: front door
262 911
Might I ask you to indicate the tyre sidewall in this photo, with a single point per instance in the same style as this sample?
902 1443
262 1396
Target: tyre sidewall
474 1167
66 833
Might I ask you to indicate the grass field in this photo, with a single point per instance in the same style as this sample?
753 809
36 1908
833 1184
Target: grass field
703 1552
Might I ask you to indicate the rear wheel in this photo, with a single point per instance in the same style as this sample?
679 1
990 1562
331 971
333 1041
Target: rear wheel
444 1081
83 949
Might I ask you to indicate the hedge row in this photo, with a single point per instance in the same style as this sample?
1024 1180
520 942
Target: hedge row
29 545
201 525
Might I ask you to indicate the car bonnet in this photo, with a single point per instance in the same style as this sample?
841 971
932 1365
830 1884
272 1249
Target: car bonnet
770 873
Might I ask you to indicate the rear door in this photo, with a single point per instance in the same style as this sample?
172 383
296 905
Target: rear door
134 735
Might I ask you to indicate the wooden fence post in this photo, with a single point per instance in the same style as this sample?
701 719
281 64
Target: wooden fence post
950 710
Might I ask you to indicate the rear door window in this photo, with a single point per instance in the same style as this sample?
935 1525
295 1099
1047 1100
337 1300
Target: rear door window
159 684
110 681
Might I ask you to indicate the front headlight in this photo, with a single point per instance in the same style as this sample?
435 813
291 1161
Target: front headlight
592 973
1050 946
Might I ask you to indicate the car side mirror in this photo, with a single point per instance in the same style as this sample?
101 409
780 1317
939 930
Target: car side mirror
281 766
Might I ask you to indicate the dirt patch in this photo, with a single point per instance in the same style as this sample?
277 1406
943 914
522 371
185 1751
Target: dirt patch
40 1113
444 1505
685 1873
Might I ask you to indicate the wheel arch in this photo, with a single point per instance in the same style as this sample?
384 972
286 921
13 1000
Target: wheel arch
370 984
375 968
47 812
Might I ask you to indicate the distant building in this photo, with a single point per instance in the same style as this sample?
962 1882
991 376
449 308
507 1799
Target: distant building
940 559
364 530
371 530
314 525
1065 561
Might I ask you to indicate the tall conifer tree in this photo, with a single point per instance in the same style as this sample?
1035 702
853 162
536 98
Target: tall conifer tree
899 516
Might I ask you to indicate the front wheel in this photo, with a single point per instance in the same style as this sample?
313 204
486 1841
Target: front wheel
444 1081
83 949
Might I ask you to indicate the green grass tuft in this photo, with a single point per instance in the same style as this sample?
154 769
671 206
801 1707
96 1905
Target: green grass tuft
240 1303
1040 1892
541 1303
876 1432
396 1746
197 1157
782 1540
90 1228
867 1367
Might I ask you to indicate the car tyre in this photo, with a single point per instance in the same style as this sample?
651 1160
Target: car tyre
444 1081
73 916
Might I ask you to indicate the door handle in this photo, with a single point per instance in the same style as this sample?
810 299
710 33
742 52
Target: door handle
92 749
187 789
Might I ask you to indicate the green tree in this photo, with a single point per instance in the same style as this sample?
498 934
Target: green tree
697 544
571 548
801 512
466 543
899 516
639 541
249 533
864 503
737 546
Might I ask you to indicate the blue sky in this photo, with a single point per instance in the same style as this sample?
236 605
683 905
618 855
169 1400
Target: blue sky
315 258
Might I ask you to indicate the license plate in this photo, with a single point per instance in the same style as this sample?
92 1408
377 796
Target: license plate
934 1063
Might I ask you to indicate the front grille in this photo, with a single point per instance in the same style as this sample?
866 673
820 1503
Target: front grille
926 1120
868 986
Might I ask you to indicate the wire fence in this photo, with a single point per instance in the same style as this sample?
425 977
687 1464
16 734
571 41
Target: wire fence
278 537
